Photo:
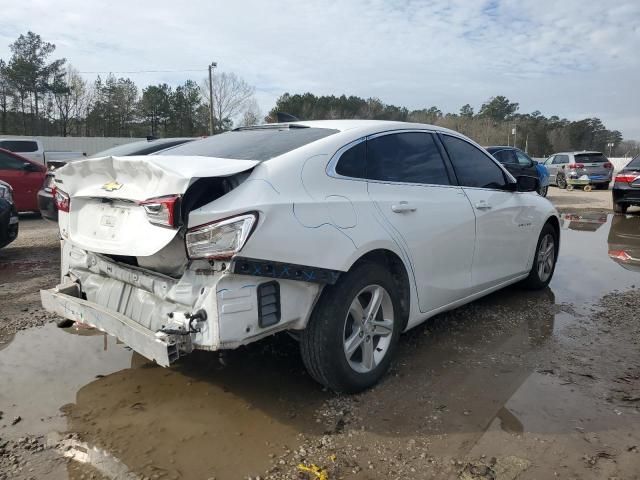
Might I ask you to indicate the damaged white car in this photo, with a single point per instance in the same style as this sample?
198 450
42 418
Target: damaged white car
345 233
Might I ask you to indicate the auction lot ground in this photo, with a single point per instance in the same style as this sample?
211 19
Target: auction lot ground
527 385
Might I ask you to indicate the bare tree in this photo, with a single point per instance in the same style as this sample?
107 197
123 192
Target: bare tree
70 96
251 115
231 95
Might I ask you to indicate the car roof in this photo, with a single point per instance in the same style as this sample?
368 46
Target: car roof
371 126
574 152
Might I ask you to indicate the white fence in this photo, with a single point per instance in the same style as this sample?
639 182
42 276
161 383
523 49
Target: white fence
88 145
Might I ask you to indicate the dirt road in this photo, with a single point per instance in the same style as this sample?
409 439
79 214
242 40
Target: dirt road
520 384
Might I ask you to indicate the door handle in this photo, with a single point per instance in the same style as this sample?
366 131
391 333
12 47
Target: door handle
402 207
483 205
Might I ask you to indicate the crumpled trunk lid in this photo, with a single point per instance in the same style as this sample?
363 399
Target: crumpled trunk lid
105 214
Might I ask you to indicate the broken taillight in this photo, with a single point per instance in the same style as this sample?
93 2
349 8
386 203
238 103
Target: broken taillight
619 255
61 199
163 211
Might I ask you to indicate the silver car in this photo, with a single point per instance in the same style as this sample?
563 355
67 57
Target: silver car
573 165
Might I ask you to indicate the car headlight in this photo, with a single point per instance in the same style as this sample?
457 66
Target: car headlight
220 239
6 193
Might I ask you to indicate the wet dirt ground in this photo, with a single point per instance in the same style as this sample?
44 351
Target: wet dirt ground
527 385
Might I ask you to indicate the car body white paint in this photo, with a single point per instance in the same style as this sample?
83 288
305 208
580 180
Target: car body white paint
453 248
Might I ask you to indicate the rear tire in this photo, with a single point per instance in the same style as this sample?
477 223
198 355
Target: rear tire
544 261
620 207
543 191
342 347
561 182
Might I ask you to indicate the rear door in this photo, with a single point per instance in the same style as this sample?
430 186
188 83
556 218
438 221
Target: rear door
428 216
505 220
25 183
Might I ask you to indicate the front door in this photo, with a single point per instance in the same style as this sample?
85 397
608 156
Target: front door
505 220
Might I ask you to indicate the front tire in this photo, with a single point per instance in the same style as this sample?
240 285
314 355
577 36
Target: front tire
353 331
544 261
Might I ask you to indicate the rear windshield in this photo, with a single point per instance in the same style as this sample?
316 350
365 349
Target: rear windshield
144 147
635 163
252 144
22 146
591 158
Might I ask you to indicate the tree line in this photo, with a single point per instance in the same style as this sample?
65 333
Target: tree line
492 124
41 95
44 96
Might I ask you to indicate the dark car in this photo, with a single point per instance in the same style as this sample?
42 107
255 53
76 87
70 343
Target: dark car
8 215
518 163
46 203
624 241
626 187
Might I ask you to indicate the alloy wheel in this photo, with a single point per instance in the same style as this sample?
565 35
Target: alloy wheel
368 328
546 257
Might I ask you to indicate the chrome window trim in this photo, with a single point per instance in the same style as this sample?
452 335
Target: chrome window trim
333 162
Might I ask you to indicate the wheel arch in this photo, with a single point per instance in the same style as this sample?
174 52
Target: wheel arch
555 223
394 264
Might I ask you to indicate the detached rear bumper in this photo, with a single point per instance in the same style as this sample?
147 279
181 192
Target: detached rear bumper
63 300
210 307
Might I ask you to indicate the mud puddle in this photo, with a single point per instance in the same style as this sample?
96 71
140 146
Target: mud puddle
537 380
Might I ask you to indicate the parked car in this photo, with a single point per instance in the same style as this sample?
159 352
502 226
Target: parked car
626 187
346 233
624 241
46 203
519 163
8 215
25 177
574 165
33 149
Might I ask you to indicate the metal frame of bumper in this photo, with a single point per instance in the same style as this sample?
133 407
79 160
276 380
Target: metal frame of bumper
164 349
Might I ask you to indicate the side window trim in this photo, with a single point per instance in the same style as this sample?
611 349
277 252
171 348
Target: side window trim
508 178
333 162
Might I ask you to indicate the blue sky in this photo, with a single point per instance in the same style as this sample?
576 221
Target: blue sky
567 57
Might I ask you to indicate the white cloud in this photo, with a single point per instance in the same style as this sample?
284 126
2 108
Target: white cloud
567 57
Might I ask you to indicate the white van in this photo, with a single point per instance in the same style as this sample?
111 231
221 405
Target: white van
33 149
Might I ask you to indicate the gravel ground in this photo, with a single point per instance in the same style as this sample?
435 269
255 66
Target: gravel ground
519 384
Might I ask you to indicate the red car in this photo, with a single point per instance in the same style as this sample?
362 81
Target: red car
25 176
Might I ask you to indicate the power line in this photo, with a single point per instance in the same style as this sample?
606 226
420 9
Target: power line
150 71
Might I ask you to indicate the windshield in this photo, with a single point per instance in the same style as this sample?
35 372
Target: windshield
252 144
591 158
635 163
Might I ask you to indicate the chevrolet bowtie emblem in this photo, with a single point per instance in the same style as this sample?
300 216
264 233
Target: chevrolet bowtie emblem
111 186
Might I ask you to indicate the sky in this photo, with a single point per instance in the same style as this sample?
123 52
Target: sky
571 58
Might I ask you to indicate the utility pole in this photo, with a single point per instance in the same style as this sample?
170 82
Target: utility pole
514 132
211 121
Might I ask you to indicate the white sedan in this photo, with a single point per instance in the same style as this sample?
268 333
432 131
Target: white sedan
346 233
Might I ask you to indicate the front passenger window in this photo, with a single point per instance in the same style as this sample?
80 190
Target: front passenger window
473 167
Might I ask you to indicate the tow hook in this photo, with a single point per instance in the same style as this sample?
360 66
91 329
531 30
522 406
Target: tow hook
184 323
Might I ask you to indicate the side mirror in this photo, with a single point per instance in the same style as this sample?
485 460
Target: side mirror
525 183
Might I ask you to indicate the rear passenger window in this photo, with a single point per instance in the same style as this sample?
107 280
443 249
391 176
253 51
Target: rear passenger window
411 157
473 168
20 146
352 161
560 159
